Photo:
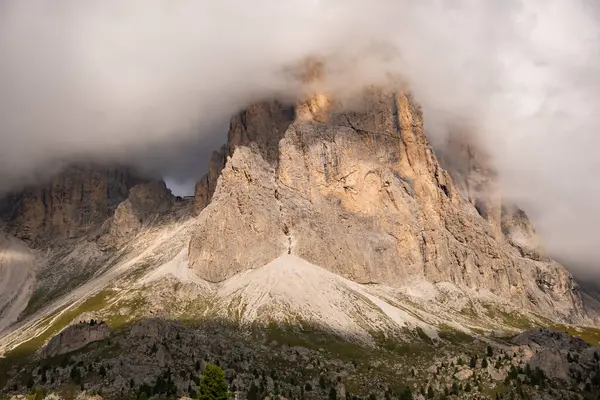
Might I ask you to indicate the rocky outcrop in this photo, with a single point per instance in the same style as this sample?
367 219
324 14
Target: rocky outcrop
150 198
463 374
360 192
552 363
262 124
75 337
145 203
551 339
518 230
75 202
560 356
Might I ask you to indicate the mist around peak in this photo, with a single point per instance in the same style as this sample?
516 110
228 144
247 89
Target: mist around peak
139 79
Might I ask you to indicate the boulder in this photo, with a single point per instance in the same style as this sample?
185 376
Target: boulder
552 363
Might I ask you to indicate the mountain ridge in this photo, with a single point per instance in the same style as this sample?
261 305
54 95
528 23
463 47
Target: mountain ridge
317 216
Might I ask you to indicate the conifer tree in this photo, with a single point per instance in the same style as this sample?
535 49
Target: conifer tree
213 385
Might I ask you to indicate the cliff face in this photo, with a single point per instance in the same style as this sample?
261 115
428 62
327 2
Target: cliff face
360 192
145 203
75 202
473 175
262 124
75 337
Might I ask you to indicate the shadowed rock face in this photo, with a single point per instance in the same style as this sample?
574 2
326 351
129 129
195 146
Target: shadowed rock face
146 202
360 192
7 204
75 337
472 174
262 124
205 188
561 356
75 202
475 178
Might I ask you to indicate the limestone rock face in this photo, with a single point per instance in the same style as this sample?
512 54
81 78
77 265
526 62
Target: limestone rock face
476 179
150 198
243 221
471 170
552 363
518 230
17 278
146 201
205 188
360 192
262 124
75 202
75 337
7 204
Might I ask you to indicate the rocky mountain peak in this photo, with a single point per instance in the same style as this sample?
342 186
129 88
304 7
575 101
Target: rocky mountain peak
360 192
261 124
309 71
317 108
474 175
75 202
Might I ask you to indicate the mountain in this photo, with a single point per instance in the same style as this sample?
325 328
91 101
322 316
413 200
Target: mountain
328 238
75 202
362 194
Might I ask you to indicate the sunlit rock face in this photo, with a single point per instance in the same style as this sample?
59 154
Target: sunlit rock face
359 191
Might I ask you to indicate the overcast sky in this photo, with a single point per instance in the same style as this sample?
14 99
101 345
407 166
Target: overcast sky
156 80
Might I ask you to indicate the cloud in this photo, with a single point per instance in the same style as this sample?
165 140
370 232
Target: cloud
103 77
123 78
